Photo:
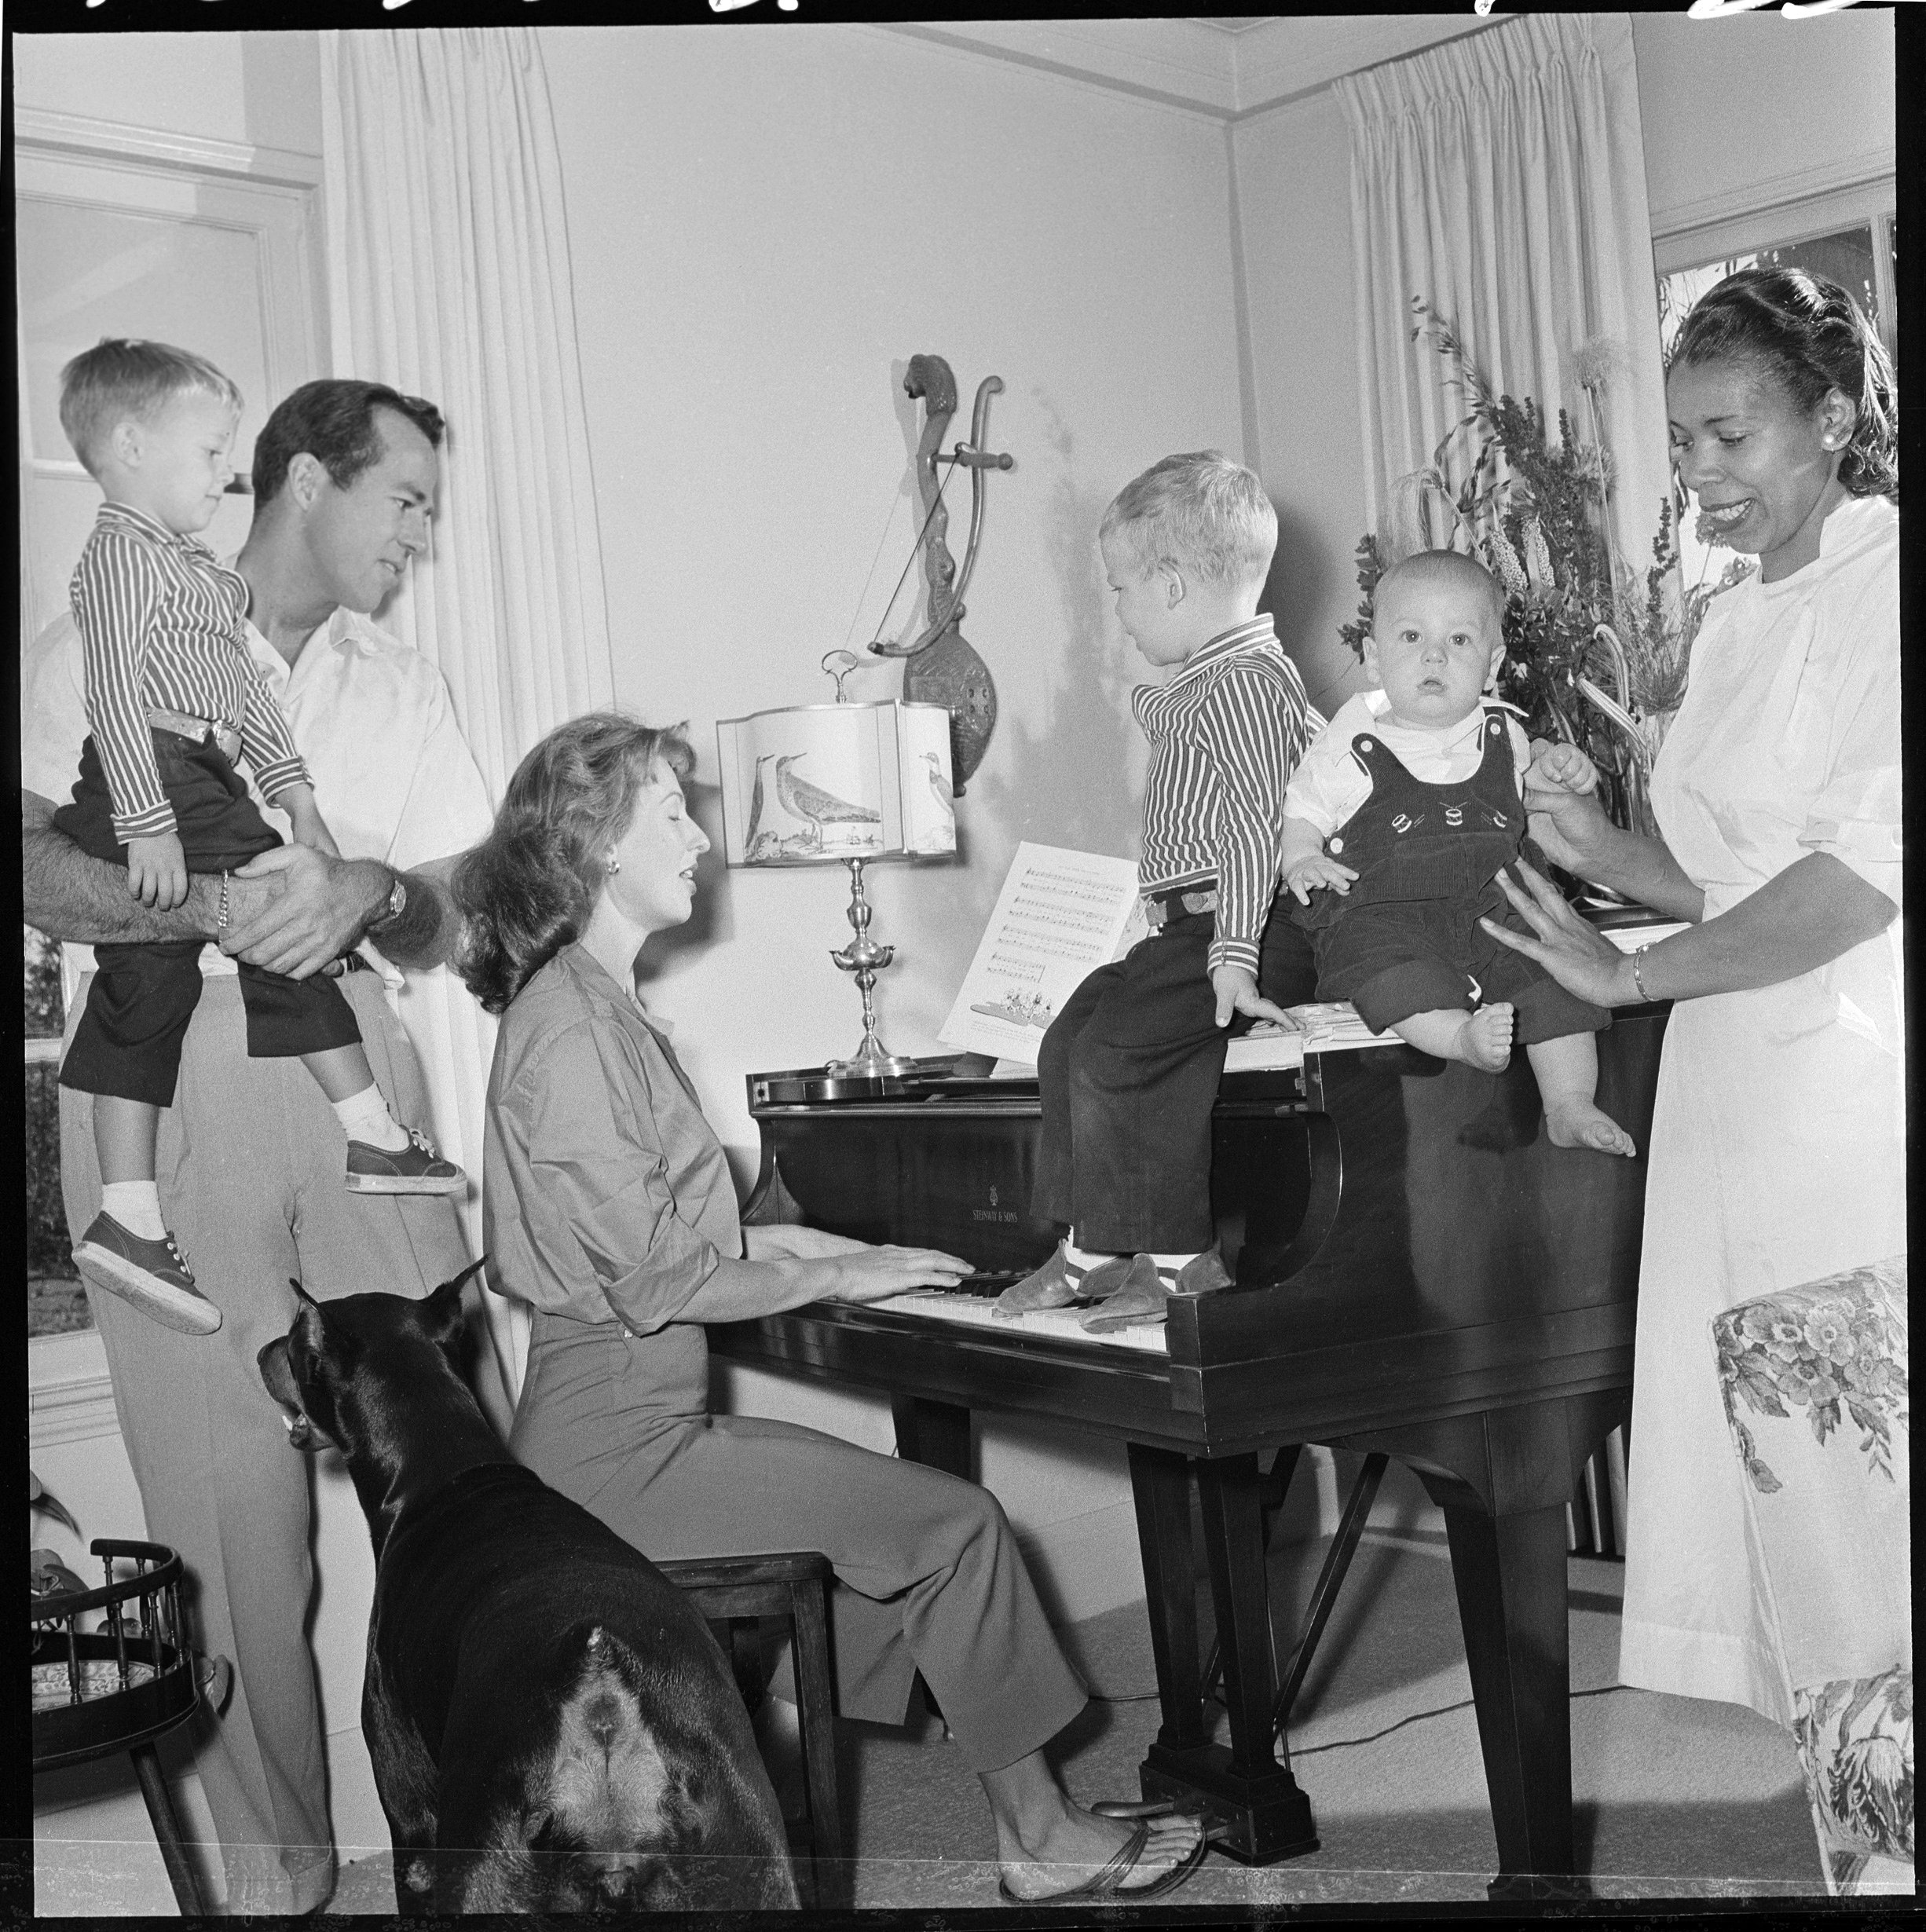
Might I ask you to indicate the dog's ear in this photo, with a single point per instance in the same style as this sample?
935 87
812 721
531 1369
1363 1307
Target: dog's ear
441 1311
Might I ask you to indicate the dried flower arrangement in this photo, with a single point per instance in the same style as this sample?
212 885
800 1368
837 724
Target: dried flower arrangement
1592 655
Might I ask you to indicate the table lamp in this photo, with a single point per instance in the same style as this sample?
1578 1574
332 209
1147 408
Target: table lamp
847 783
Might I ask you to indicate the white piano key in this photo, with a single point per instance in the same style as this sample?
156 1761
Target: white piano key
936 1305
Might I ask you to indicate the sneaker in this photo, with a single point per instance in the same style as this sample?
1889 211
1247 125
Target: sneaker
154 1275
415 1169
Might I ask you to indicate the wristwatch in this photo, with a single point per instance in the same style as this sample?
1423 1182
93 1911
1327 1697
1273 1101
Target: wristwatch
397 900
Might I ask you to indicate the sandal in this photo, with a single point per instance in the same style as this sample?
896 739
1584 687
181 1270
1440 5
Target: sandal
1107 1882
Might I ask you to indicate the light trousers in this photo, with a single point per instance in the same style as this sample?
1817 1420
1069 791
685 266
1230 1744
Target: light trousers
252 1169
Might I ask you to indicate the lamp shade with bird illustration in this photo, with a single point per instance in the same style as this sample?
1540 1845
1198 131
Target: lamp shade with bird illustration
811 782
847 783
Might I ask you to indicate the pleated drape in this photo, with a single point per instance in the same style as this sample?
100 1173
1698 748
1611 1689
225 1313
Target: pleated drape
1501 177
448 277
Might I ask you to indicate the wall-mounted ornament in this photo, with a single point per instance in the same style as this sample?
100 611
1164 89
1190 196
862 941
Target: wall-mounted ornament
940 666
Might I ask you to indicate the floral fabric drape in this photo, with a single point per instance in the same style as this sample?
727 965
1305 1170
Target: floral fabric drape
1817 1402
448 277
1501 177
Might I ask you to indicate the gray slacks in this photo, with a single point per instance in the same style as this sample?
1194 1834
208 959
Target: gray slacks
928 1575
250 1168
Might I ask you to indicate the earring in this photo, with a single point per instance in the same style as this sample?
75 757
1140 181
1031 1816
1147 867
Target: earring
614 866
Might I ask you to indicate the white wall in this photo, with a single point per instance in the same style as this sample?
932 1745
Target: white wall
263 89
764 226
1294 198
1747 102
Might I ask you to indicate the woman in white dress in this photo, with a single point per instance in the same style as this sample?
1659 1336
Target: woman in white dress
1778 1148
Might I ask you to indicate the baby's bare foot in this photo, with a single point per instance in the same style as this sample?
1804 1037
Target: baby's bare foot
1581 1124
1484 1040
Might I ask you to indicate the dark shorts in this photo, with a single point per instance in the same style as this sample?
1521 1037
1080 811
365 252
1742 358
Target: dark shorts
1393 960
127 1043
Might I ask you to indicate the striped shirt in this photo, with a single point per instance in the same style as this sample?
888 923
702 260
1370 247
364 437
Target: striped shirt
160 619
1225 734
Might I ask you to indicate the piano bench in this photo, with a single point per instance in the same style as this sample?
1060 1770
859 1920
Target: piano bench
734 1594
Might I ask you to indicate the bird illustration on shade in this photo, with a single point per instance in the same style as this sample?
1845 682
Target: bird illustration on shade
939 791
811 808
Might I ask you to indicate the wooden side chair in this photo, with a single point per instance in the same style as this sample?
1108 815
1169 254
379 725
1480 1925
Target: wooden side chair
735 1594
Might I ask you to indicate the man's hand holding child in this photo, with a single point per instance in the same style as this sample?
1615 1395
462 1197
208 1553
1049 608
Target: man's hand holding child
157 870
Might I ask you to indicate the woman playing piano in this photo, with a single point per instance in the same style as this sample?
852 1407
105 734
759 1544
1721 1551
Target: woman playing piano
609 1207
1778 1152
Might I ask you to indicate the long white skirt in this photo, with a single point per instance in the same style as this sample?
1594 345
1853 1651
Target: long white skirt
1777 1157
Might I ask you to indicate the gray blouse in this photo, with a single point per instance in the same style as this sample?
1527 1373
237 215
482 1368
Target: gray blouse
608 1194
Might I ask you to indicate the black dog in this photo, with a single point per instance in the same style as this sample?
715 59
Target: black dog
553 1727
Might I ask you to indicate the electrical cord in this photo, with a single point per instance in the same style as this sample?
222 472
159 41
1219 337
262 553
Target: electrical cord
1345 1743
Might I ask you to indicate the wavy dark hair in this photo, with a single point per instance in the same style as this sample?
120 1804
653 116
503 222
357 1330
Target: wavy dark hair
527 890
1810 336
333 418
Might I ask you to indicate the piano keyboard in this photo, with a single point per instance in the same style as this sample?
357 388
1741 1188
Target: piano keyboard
943 1304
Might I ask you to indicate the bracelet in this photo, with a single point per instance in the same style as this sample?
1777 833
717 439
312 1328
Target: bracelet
221 918
1637 971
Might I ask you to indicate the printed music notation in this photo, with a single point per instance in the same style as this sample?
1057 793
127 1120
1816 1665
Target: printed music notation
1059 914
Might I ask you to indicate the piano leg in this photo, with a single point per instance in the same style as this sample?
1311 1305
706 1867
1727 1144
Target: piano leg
1509 1572
1251 1804
1502 1479
936 1434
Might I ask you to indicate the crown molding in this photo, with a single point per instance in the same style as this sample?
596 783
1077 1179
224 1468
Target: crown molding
82 135
1824 177
1180 63
1205 66
1283 59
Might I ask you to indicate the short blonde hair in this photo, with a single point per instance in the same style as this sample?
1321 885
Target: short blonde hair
1204 513
121 376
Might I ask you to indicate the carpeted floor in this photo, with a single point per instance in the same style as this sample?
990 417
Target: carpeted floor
1675 1797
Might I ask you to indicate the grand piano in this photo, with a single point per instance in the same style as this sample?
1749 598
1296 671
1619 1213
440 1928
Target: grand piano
1418 1275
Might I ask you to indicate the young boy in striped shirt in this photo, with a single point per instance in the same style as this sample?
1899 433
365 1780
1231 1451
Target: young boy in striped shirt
1130 1068
173 696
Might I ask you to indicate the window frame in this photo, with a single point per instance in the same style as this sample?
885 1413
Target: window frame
1872 202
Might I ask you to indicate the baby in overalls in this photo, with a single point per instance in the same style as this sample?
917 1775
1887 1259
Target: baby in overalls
1397 825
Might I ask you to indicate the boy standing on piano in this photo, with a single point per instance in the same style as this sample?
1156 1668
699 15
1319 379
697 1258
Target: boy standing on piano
1129 1069
1397 827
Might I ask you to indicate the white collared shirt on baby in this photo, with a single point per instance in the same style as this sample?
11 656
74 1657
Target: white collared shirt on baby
1330 785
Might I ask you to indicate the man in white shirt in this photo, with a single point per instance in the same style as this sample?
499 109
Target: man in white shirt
251 1154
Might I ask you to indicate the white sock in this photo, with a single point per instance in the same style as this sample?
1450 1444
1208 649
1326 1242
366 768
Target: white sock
136 1205
365 1116
1081 1261
1172 1265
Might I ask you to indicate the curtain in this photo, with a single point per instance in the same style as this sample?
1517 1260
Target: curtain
1501 177
448 277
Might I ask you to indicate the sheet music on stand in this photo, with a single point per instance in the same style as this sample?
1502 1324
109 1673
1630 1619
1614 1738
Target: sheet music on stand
1060 914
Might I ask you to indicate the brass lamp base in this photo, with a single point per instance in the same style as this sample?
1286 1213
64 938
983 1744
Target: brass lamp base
866 959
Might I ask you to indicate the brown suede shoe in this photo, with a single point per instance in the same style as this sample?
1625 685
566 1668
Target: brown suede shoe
1201 1273
1145 1297
1054 1286
1139 1296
